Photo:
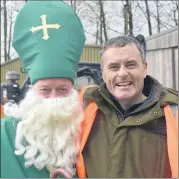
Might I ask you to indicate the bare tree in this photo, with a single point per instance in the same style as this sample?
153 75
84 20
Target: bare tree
128 17
10 19
97 32
158 16
165 16
175 12
172 13
10 11
125 19
103 19
101 30
100 25
146 14
96 15
148 17
5 29
73 4
9 41
91 16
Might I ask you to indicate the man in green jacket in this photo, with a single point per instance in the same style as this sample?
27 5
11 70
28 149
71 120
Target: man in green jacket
40 136
128 136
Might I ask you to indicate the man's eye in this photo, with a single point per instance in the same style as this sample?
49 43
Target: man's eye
62 89
44 90
113 67
131 65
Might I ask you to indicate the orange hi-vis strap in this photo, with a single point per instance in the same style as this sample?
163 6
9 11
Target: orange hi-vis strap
172 139
2 108
2 111
90 114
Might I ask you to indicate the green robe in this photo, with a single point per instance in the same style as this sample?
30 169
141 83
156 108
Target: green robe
12 166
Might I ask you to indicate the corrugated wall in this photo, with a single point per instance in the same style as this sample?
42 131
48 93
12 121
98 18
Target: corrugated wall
162 57
13 65
91 53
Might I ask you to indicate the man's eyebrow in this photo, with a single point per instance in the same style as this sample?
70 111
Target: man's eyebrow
62 85
113 63
49 86
133 61
43 86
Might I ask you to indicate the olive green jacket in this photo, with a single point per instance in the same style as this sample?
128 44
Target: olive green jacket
131 145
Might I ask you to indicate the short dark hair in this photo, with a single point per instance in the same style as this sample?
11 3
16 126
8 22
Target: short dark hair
121 41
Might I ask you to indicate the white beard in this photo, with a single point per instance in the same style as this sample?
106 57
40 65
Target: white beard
51 129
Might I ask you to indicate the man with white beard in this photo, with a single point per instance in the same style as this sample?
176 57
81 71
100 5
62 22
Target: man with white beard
41 135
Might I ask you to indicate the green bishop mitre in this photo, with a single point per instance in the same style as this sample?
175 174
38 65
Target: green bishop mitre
49 39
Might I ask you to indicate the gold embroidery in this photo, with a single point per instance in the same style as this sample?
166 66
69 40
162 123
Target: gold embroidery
45 27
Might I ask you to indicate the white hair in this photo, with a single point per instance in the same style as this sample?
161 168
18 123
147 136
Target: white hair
49 131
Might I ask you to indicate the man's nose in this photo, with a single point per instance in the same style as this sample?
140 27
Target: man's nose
53 94
122 72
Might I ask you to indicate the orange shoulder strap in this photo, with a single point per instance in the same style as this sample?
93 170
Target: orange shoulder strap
2 111
90 114
172 139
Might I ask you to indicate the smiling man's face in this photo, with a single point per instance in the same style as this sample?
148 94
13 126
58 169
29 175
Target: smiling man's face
124 73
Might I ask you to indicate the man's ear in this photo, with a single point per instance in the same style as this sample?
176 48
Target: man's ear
145 69
103 76
102 72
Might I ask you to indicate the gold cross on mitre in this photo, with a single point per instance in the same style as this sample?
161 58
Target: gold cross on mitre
45 27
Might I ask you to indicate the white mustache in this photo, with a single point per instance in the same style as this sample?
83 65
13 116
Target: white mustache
51 127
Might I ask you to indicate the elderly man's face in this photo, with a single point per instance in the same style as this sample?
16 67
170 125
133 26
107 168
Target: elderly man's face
54 87
124 73
51 116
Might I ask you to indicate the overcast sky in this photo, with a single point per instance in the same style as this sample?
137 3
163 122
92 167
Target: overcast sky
114 19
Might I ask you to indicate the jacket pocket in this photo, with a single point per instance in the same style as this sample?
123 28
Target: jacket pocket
146 154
